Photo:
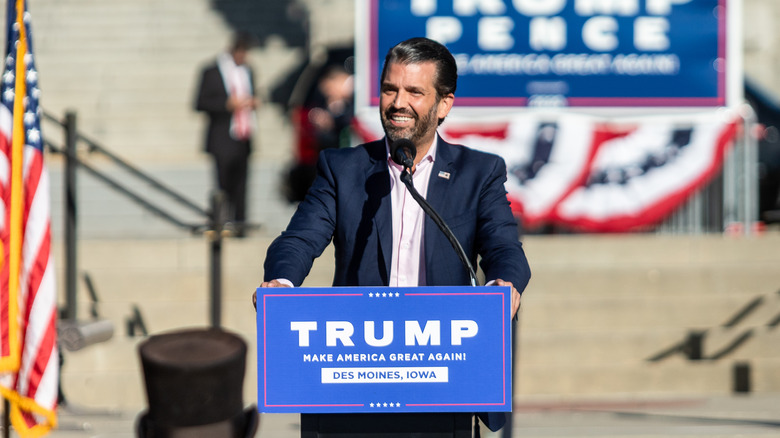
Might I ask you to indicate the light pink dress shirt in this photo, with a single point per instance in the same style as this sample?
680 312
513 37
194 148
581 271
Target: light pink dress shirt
407 263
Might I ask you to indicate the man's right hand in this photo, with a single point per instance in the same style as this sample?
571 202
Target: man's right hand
272 283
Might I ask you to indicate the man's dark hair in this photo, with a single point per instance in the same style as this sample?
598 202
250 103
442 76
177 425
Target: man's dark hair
243 40
418 50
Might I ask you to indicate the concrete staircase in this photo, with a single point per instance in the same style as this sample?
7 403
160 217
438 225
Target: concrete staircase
611 315
130 68
130 71
597 309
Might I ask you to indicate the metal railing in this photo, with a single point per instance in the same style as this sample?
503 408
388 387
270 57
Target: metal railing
729 203
73 137
213 218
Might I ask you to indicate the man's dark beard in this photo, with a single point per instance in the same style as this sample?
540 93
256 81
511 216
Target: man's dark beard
420 129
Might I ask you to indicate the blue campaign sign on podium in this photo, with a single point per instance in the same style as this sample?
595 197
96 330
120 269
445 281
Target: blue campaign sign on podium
384 350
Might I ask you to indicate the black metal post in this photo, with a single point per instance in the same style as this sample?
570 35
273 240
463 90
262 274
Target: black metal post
694 345
217 222
216 280
71 265
741 373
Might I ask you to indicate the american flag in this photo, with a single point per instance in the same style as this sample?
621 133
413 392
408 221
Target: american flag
29 360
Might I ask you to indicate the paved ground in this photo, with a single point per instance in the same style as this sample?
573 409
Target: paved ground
694 417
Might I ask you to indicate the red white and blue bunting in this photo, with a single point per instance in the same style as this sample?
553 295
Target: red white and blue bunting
593 173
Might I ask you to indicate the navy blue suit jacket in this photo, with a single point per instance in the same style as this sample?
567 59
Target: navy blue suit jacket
349 203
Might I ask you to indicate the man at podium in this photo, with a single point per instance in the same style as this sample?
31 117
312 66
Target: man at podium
381 236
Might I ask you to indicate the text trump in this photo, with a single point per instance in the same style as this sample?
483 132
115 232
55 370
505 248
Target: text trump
343 331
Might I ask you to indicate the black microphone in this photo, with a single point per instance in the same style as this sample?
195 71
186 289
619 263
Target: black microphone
403 151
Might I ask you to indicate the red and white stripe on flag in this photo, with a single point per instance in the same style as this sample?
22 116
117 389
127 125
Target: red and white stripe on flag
593 174
29 360
641 177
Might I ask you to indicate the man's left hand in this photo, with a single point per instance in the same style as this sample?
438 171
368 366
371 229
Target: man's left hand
515 295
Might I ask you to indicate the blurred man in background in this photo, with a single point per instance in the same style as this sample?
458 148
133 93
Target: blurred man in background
227 95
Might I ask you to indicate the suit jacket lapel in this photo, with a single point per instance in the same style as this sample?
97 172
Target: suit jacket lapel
384 214
437 197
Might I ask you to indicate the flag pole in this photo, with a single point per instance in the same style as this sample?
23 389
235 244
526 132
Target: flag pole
6 403
6 418
29 333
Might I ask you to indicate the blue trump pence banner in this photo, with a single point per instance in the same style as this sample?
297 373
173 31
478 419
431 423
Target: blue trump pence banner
565 52
384 350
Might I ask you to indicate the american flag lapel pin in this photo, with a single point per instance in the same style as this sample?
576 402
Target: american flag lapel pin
443 174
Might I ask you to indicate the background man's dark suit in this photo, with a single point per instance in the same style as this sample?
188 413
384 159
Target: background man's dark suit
230 156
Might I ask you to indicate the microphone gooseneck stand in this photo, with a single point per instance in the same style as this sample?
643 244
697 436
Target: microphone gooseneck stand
402 152
406 178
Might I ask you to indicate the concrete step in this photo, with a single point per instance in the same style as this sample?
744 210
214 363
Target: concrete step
636 346
576 312
649 379
109 375
650 250
595 347
662 281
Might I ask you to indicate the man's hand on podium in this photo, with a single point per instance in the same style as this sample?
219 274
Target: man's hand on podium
275 283
515 295
272 283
